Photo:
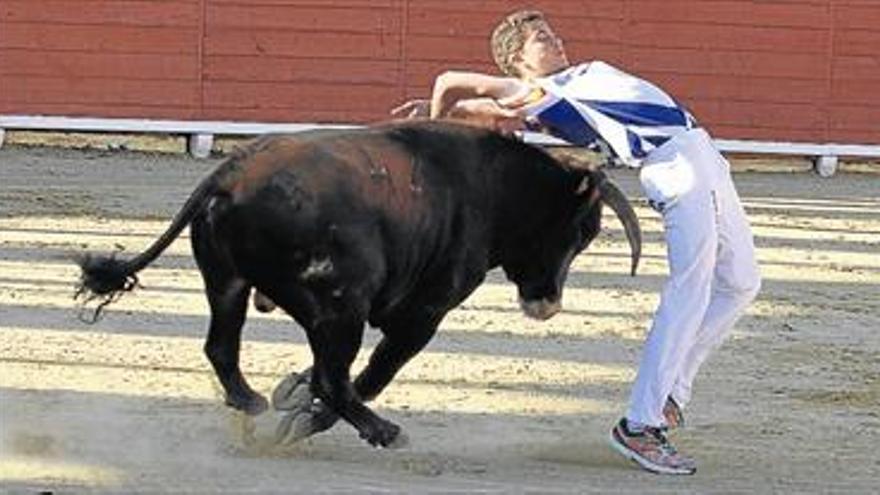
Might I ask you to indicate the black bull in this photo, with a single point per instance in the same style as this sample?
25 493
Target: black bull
394 225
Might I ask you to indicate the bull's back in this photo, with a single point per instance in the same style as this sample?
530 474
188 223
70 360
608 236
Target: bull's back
396 212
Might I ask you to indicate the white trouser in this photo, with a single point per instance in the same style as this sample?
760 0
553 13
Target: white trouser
713 274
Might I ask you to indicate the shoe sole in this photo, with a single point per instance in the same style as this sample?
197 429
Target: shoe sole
646 464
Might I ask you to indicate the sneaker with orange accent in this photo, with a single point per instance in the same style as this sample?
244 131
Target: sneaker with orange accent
650 449
672 414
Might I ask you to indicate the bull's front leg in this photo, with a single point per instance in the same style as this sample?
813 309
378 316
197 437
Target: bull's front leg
305 415
404 338
334 347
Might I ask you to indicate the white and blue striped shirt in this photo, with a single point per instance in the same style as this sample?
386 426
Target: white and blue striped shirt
595 102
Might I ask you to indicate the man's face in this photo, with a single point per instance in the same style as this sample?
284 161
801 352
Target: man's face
542 53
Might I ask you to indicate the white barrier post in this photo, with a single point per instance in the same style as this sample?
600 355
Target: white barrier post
199 145
825 165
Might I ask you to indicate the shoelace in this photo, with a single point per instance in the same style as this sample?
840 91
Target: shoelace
659 434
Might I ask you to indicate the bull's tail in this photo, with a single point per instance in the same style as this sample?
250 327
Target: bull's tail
106 278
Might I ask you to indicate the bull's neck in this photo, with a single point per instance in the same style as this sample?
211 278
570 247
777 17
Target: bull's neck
528 197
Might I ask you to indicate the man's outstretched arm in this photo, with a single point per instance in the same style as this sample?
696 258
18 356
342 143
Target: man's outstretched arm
454 86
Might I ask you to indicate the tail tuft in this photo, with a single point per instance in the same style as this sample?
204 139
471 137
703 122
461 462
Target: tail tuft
104 278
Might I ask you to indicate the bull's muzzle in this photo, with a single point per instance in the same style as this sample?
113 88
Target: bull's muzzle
541 309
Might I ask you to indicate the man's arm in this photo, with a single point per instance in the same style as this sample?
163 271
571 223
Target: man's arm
483 112
453 86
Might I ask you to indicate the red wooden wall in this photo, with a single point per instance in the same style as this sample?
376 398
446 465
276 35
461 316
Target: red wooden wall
801 70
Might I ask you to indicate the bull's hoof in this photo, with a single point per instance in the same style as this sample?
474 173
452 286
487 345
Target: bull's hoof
252 405
302 414
399 442
293 392
386 435
299 424
293 427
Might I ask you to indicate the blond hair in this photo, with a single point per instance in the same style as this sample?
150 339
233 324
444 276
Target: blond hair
509 37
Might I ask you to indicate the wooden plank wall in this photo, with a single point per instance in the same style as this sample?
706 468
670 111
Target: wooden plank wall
799 70
854 106
97 57
325 61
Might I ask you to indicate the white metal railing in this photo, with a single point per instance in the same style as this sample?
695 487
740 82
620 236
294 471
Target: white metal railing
201 134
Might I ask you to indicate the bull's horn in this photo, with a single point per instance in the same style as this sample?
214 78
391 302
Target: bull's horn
614 197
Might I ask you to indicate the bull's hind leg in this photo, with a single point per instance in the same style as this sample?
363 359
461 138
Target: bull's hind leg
228 310
227 296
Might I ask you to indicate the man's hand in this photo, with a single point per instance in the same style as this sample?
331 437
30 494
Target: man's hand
525 95
486 112
411 109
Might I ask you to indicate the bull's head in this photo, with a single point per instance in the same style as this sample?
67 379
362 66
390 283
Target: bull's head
541 264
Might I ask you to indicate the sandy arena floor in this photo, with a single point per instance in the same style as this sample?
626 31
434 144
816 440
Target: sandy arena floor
496 404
